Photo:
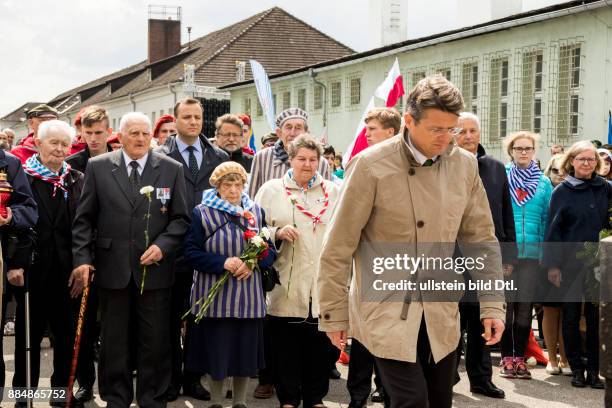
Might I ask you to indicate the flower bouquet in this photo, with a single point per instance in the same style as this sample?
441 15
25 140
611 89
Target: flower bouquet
255 249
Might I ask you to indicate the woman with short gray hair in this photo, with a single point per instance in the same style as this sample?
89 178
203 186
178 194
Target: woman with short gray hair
298 208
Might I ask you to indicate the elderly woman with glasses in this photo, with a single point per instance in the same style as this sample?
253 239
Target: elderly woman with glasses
228 341
298 208
530 191
578 212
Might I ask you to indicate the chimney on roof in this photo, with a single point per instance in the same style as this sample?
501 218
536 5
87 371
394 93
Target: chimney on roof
164 32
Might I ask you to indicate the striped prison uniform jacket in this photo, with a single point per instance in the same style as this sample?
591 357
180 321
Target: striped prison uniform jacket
237 299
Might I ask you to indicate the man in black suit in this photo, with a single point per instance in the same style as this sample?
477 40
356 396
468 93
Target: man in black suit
493 176
199 158
115 205
95 131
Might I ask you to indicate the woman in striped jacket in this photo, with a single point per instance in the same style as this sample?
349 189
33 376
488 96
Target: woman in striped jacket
228 341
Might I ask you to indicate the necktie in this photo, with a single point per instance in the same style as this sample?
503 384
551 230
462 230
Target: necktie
193 163
428 163
134 177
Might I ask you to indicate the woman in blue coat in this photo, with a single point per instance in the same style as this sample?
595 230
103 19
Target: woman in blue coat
578 212
530 191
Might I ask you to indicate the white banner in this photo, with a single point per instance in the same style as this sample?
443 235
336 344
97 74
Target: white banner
264 92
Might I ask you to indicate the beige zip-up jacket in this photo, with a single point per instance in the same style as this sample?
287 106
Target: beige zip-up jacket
389 198
279 212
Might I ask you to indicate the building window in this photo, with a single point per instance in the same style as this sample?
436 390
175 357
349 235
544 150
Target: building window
318 97
531 91
336 94
498 98
153 116
574 115
301 96
469 86
445 72
504 78
274 103
161 112
286 100
259 109
355 87
114 123
417 76
568 90
537 115
246 106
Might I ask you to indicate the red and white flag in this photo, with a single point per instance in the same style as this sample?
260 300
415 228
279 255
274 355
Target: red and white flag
392 89
360 142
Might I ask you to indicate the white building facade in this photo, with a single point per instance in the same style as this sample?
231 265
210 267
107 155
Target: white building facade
547 71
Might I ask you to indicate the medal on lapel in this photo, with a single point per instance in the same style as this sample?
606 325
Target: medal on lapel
163 195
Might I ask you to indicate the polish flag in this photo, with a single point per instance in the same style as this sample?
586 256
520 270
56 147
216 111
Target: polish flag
392 89
360 142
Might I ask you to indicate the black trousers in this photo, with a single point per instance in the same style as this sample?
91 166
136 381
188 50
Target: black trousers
49 305
266 375
518 308
421 384
477 354
180 304
571 335
301 362
127 315
86 370
361 367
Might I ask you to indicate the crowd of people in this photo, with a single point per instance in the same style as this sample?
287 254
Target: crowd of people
156 219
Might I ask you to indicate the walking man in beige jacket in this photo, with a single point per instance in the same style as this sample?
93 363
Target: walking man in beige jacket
410 191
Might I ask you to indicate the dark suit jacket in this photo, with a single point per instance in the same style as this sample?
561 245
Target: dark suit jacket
108 206
53 258
23 206
493 176
212 156
79 160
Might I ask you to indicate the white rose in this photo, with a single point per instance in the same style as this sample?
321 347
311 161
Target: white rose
146 190
258 241
265 232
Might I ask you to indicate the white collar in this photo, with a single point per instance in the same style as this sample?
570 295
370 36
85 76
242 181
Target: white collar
418 156
141 162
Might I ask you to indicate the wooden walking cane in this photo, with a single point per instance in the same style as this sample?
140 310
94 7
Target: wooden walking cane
77 345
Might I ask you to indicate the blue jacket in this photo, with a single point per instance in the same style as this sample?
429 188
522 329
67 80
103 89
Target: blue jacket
530 220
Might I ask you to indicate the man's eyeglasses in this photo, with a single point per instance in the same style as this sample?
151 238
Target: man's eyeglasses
523 149
230 135
443 131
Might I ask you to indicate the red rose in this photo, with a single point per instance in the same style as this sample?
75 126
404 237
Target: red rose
264 254
249 234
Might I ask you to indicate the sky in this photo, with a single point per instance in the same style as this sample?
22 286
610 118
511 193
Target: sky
49 47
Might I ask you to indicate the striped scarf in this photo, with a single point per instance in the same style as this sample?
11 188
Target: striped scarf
212 200
35 168
280 153
523 182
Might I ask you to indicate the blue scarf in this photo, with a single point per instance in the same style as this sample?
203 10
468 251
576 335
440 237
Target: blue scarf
36 169
210 198
523 182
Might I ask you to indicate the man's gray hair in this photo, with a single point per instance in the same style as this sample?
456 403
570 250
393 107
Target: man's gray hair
131 117
8 131
49 127
470 116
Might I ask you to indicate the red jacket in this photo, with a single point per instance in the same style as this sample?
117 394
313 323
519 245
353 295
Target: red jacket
77 147
25 148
